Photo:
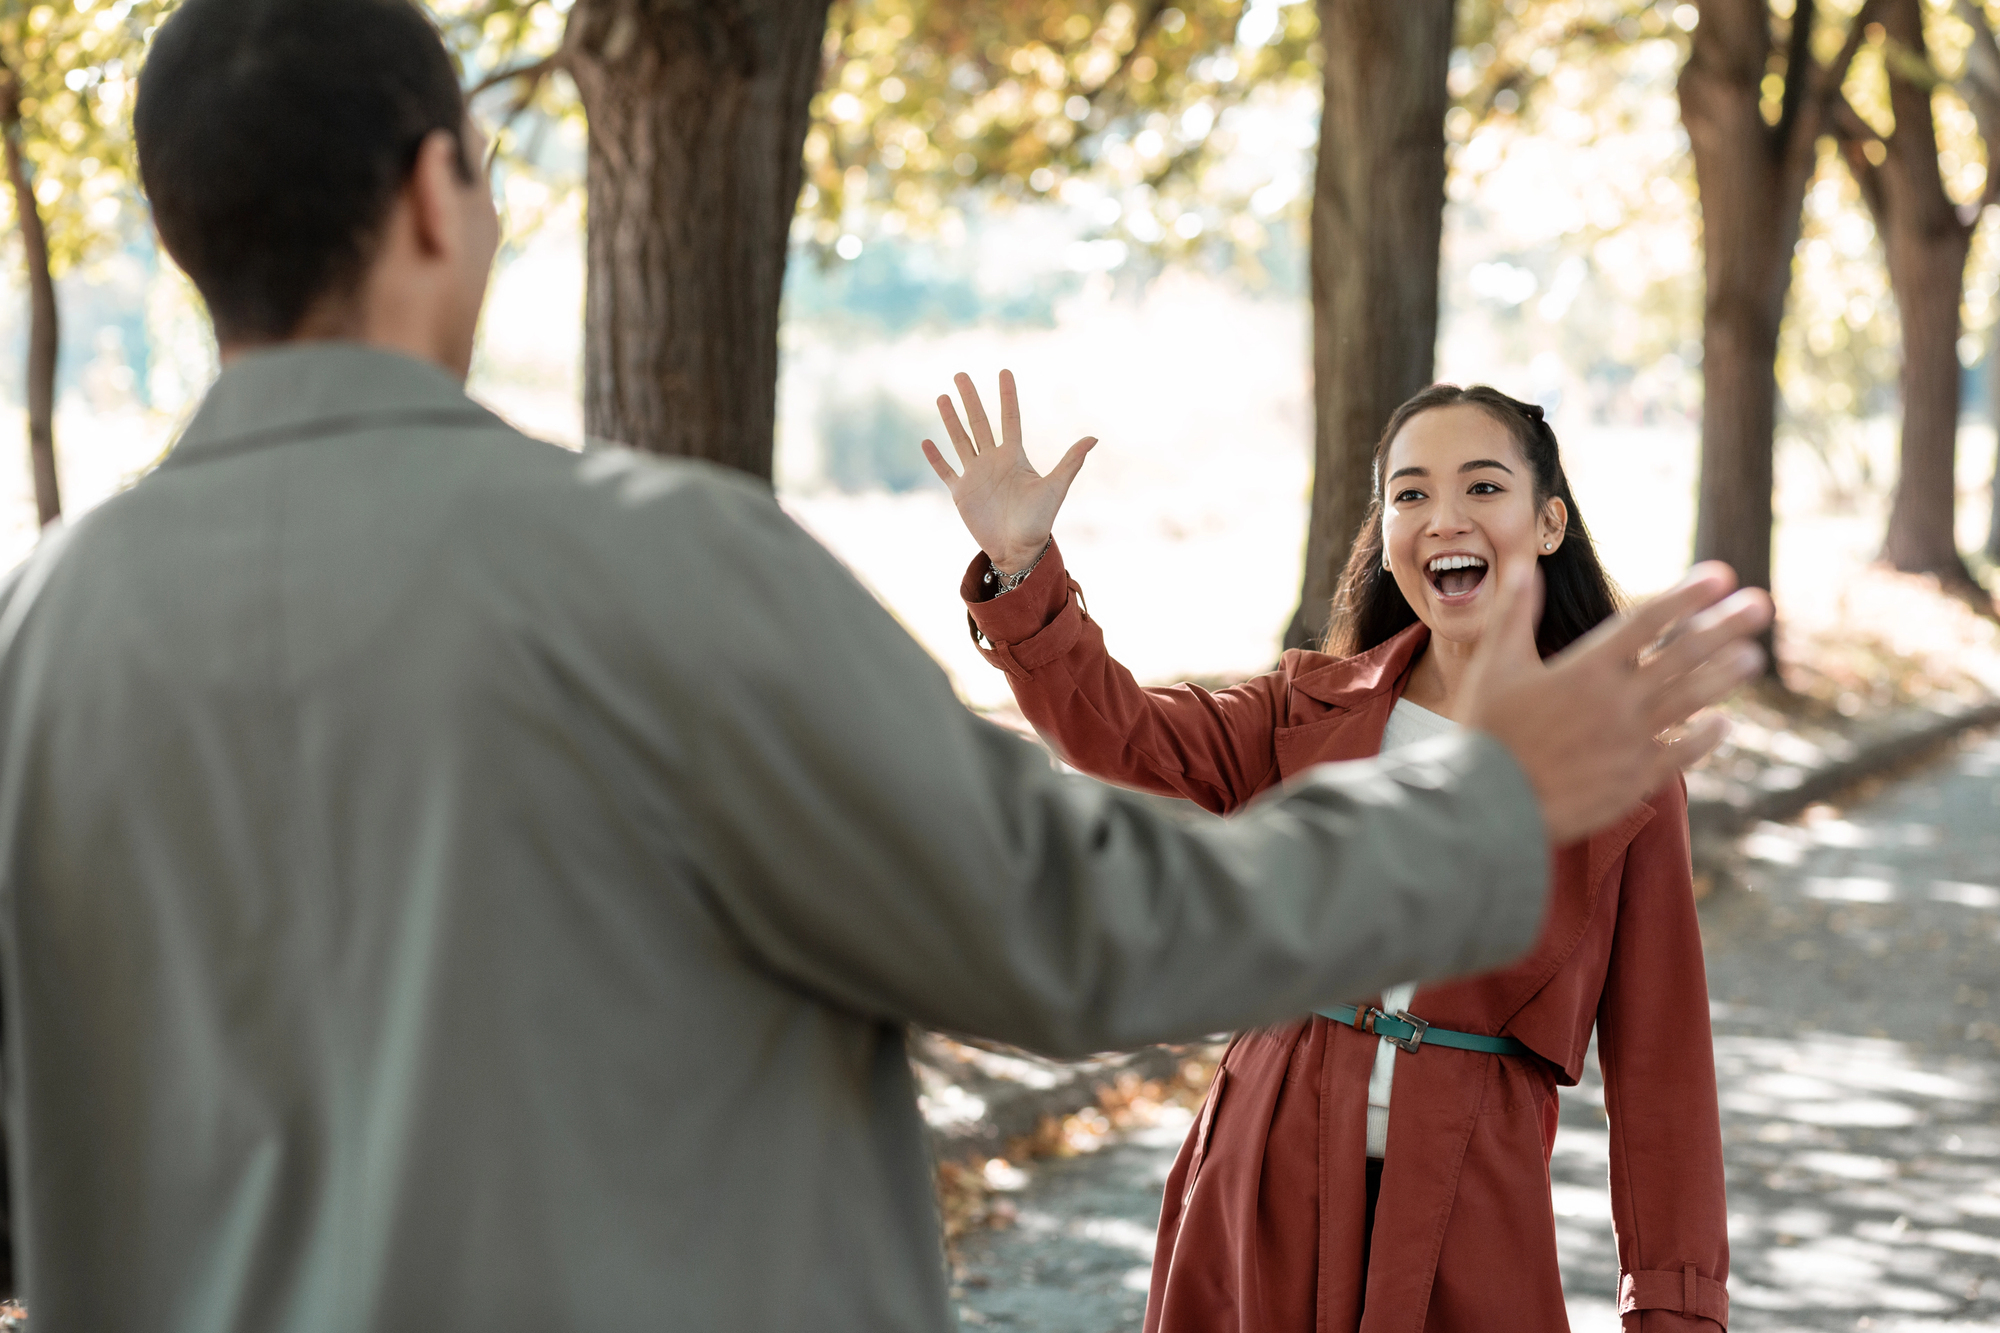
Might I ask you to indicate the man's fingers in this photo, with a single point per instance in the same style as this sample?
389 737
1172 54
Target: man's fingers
1699 740
1010 412
1515 611
1709 683
939 466
1737 617
1630 635
1686 750
975 412
1071 463
1509 638
960 441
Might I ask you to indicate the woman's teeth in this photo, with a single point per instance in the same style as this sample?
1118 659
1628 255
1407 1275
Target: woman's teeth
1454 575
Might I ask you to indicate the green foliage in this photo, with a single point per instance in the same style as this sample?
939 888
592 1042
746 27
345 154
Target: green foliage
1572 240
926 98
77 61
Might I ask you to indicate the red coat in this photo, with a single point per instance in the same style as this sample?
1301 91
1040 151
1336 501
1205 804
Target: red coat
1260 1231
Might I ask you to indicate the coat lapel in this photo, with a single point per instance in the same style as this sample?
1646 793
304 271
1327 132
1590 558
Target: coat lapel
1349 704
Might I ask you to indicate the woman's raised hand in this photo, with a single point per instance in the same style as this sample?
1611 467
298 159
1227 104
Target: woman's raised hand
1008 507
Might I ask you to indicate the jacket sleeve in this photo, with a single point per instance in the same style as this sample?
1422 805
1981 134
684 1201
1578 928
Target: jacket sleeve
1653 1043
864 837
1214 748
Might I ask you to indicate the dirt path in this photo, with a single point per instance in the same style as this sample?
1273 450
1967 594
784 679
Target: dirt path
1858 1046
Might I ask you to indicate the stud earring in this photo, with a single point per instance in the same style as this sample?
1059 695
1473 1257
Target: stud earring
1548 546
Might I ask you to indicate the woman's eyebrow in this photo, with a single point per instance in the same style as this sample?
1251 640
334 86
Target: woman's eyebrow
1412 472
1478 463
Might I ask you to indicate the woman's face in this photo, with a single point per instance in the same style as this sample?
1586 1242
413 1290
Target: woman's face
1458 507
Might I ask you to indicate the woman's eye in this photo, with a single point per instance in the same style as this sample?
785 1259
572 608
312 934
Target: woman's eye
1408 497
1484 488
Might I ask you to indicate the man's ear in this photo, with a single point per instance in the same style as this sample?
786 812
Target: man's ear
434 190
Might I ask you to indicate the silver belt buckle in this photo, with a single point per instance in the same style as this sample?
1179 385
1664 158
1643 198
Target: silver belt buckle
1416 1039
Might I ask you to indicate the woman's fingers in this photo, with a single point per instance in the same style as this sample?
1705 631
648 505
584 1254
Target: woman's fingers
1071 463
975 412
960 441
1010 411
939 466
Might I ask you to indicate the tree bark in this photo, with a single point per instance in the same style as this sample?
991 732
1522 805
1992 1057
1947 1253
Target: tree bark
1377 219
43 330
698 115
1993 415
1926 244
1752 178
1927 273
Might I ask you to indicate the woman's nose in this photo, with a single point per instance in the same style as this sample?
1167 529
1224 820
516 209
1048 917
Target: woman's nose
1448 519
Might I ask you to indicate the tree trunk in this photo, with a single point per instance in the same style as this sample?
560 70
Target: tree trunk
1752 178
1993 415
1926 245
698 115
1927 272
43 332
1378 214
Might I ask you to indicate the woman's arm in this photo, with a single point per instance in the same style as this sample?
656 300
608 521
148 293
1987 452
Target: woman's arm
1667 1196
1215 749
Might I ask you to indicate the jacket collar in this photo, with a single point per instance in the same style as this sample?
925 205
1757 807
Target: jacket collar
1345 682
298 390
1366 686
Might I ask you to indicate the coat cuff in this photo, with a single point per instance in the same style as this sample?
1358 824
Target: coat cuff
1683 1291
1027 627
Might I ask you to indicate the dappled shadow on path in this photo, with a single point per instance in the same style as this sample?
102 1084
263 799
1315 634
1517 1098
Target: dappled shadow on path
1853 976
1864 1183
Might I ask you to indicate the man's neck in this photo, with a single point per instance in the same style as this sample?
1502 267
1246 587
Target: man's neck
414 348
373 318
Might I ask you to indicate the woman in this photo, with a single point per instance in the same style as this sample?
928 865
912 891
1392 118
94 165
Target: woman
1354 1170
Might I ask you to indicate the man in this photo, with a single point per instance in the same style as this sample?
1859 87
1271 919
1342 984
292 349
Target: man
456 884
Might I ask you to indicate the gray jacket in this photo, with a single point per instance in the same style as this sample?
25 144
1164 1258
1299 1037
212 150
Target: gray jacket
452 883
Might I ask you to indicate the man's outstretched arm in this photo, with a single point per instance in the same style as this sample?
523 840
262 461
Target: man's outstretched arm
867 837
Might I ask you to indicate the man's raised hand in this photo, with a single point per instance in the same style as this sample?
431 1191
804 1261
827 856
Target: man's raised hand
1007 506
1606 721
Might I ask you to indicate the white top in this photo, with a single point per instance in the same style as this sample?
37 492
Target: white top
1408 724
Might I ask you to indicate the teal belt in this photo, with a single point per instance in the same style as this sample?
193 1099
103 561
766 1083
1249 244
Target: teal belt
1409 1032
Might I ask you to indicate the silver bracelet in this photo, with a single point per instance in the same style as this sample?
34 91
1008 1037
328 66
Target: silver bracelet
1008 582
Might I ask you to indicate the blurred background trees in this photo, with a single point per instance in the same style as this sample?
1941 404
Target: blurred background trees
724 139
65 83
1377 219
697 113
1754 97
1899 160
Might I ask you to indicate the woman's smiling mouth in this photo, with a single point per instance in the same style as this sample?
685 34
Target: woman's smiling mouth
1456 576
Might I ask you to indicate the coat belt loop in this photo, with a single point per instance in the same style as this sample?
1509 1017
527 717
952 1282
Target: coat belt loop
1690 1298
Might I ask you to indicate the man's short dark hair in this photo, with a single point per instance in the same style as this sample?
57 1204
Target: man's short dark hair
273 136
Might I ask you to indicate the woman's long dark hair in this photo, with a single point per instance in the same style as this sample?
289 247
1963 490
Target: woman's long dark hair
1370 609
